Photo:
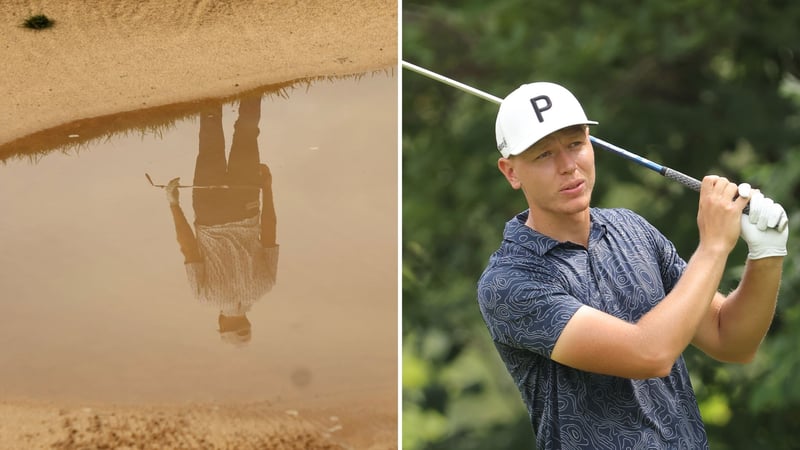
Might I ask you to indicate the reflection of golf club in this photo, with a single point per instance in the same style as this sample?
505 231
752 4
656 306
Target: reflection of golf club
220 186
686 180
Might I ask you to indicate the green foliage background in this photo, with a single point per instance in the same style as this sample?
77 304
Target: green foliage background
702 86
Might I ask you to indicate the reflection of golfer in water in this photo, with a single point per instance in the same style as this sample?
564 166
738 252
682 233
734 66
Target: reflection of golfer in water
232 259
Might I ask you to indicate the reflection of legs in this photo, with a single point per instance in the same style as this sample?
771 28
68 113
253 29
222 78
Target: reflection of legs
244 159
210 167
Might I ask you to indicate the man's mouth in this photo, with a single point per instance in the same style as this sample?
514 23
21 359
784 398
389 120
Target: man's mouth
572 187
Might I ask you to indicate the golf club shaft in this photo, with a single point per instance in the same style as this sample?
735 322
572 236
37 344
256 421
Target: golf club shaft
219 186
682 178
451 82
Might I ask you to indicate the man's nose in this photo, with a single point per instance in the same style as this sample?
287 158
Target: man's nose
565 161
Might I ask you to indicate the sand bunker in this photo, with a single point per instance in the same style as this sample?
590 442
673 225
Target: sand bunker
106 57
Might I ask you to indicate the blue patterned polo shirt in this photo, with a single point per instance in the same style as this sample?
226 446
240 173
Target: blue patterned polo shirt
530 289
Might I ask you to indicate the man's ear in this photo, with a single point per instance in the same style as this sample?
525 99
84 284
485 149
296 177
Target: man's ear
506 166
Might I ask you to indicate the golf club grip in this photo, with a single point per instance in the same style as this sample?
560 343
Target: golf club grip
690 182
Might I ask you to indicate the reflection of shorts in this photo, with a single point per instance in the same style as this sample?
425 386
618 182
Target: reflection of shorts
218 206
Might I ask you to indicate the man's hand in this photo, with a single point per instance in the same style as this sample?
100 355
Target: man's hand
760 227
718 214
173 196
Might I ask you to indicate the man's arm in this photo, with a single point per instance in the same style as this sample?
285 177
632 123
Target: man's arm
269 221
598 342
735 325
185 235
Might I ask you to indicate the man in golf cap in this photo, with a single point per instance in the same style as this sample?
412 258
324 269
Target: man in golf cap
590 309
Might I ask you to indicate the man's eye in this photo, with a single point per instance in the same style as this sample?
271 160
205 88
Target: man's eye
543 155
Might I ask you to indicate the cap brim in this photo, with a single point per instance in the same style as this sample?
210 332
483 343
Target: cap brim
518 151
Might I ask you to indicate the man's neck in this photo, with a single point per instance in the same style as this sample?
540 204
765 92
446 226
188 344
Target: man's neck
562 227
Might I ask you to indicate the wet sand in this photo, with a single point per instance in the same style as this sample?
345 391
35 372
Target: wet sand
110 58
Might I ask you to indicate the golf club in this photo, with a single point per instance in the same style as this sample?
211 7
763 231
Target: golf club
220 186
686 180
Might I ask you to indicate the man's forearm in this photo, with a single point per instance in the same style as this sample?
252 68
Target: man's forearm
599 342
185 235
674 321
269 222
747 312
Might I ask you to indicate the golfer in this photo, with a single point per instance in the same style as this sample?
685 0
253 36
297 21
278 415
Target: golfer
591 309
231 262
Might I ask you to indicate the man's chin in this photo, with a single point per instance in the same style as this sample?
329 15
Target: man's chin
576 205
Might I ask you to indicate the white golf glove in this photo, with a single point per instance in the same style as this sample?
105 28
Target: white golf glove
172 191
760 227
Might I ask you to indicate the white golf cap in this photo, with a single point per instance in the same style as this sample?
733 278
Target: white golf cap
533 111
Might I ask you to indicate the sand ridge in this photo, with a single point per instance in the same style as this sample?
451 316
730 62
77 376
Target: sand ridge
105 57
36 426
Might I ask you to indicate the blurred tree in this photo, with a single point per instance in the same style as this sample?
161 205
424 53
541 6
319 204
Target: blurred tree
705 86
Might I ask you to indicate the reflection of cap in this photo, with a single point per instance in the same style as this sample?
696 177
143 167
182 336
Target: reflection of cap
533 111
234 330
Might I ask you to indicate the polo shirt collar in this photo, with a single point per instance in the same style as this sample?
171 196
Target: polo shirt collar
518 233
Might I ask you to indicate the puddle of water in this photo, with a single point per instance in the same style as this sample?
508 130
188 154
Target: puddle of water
96 302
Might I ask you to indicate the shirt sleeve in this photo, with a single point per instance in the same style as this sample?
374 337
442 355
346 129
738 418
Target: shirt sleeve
526 310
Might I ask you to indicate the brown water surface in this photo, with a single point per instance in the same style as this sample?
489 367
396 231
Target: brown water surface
96 303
